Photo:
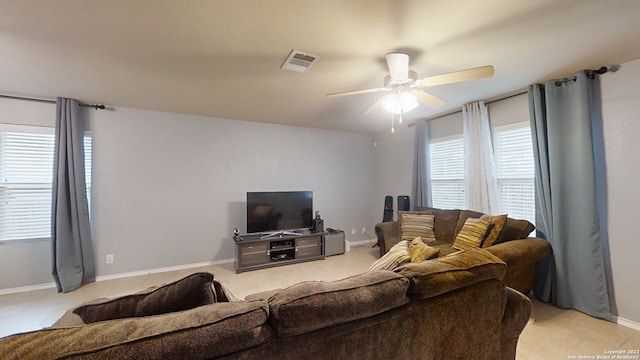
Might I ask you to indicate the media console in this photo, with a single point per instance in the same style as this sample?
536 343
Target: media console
255 252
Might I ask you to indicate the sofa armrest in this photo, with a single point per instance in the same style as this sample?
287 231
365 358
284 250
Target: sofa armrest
515 318
388 234
522 251
522 257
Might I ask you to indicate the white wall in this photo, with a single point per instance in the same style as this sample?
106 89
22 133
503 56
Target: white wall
393 167
168 189
621 118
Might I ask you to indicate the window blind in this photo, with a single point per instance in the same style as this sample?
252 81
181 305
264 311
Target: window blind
515 170
26 175
26 165
447 173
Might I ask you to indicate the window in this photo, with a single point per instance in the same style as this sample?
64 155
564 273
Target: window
26 173
513 151
447 173
514 161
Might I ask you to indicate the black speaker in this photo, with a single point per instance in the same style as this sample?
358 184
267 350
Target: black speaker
387 215
318 225
403 203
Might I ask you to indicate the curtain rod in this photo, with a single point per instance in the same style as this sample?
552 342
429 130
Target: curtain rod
48 101
601 70
489 101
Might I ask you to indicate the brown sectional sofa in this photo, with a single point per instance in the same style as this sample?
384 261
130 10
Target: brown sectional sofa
453 307
520 252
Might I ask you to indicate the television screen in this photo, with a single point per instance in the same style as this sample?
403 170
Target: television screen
279 210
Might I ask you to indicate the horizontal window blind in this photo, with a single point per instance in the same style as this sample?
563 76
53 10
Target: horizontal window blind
26 175
26 166
88 166
515 171
447 174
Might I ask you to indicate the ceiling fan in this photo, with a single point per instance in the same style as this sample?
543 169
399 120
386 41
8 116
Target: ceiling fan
405 90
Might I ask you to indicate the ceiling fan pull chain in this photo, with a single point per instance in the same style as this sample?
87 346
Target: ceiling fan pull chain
393 130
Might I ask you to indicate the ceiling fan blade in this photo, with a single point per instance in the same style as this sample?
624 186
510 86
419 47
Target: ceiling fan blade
398 66
429 100
374 106
357 92
458 76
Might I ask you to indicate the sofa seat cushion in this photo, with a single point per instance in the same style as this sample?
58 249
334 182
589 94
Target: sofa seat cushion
446 249
201 333
189 292
312 305
447 273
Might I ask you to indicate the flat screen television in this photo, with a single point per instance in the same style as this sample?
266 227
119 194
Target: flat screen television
278 211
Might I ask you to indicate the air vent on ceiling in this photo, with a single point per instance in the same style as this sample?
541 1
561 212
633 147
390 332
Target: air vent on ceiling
298 61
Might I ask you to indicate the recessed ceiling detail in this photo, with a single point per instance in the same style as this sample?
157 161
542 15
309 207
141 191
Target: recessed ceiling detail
298 61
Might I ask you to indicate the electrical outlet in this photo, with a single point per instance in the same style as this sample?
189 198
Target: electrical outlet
353 231
364 230
109 258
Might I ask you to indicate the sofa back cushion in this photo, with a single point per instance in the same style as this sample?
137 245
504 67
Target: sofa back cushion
438 276
444 223
448 223
204 332
312 305
516 229
186 293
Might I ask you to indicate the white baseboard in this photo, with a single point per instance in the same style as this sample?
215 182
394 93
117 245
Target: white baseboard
628 323
20 289
50 285
357 243
160 270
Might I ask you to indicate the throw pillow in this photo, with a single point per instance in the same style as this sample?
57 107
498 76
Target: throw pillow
419 251
397 255
471 235
413 225
187 293
497 231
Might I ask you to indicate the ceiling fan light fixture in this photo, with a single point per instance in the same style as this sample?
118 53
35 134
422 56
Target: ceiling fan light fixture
400 102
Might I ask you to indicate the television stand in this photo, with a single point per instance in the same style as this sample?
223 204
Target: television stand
279 233
255 252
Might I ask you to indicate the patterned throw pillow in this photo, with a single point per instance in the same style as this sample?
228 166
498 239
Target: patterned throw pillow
497 231
414 225
472 233
419 251
397 255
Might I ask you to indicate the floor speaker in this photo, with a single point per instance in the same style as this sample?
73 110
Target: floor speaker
388 209
403 203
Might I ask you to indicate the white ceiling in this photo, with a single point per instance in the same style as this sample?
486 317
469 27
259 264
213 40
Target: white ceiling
222 58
